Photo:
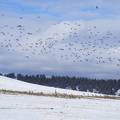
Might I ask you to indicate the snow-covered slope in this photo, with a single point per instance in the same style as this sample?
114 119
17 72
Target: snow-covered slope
16 85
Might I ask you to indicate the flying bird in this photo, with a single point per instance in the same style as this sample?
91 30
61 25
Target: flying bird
97 7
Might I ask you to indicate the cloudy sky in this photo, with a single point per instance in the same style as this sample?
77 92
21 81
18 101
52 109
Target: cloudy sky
61 37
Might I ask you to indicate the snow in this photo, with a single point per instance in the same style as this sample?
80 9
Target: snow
25 107
16 85
118 92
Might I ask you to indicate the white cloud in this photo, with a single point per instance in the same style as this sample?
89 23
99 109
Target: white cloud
55 33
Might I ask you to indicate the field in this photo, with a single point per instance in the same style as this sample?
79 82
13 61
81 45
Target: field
25 107
25 101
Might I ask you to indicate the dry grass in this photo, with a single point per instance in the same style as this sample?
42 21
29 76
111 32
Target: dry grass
58 95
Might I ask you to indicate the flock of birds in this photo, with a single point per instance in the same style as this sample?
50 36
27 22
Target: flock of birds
72 44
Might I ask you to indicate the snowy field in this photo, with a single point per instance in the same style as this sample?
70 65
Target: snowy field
28 107
25 107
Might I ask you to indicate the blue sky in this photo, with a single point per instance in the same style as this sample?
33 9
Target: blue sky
46 18
19 7
64 9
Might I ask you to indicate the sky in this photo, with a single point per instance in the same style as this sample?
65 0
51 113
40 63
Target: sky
60 37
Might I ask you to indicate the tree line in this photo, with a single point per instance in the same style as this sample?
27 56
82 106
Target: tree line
75 83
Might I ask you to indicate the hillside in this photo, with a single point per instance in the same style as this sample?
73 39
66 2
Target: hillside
16 85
